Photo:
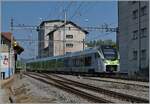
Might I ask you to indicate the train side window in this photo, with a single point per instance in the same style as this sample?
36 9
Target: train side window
60 63
75 62
78 63
35 64
66 62
51 63
46 64
88 61
42 64
54 62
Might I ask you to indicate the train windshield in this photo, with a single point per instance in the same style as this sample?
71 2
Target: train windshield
110 53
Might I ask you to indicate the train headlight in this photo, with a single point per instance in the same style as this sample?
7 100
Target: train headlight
106 61
110 62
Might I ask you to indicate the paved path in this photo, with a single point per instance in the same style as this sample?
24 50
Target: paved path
3 97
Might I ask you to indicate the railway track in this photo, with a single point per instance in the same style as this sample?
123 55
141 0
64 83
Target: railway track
122 96
133 84
70 89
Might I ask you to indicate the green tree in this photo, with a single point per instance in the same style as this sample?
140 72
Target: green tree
100 42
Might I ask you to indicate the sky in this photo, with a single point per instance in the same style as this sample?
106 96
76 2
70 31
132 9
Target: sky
83 13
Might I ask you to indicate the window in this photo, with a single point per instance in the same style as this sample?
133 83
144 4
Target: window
69 36
134 55
143 11
69 28
55 26
135 14
69 45
133 2
143 54
143 32
88 61
135 34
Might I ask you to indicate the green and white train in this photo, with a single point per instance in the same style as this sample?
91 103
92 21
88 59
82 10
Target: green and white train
104 59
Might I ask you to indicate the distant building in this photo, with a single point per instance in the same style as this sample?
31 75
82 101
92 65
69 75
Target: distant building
8 57
57 38
133 36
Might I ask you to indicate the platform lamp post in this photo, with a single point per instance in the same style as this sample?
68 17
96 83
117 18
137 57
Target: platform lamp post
139 35
11 48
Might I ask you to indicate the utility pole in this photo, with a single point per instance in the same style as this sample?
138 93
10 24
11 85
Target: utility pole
139 22
83 44
64 44
11 48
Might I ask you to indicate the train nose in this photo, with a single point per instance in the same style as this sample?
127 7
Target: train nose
111 68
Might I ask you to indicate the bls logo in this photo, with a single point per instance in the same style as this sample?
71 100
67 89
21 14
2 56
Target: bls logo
5 61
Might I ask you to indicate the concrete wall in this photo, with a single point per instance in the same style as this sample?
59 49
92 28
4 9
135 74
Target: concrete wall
125 37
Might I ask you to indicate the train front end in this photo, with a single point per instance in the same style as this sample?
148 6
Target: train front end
111 59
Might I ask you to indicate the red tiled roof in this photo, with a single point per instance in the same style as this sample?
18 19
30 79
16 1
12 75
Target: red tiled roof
7 35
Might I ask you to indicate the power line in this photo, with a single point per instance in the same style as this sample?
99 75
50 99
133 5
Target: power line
87 9
68 7
103 28
65 9
58 7
23 40
76 11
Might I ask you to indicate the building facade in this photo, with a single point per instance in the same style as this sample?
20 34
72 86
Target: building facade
57 37
133 36
8 57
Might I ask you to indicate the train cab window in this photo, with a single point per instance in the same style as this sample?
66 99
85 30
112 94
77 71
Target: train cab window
88 61
97 55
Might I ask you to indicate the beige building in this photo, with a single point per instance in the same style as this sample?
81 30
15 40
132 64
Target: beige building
133 36
58 38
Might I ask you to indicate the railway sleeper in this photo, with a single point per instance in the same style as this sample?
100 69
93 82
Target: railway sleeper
74 91
104 91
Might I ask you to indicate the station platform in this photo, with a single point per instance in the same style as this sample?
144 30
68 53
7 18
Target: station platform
4 97
6 81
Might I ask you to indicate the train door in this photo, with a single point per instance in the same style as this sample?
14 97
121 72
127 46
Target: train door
100 64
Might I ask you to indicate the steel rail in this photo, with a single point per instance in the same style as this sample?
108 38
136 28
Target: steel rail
67 88
104 91
116 82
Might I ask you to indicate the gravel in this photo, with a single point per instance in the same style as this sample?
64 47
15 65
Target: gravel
112 99
29 90
123 88
55 95
122 81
